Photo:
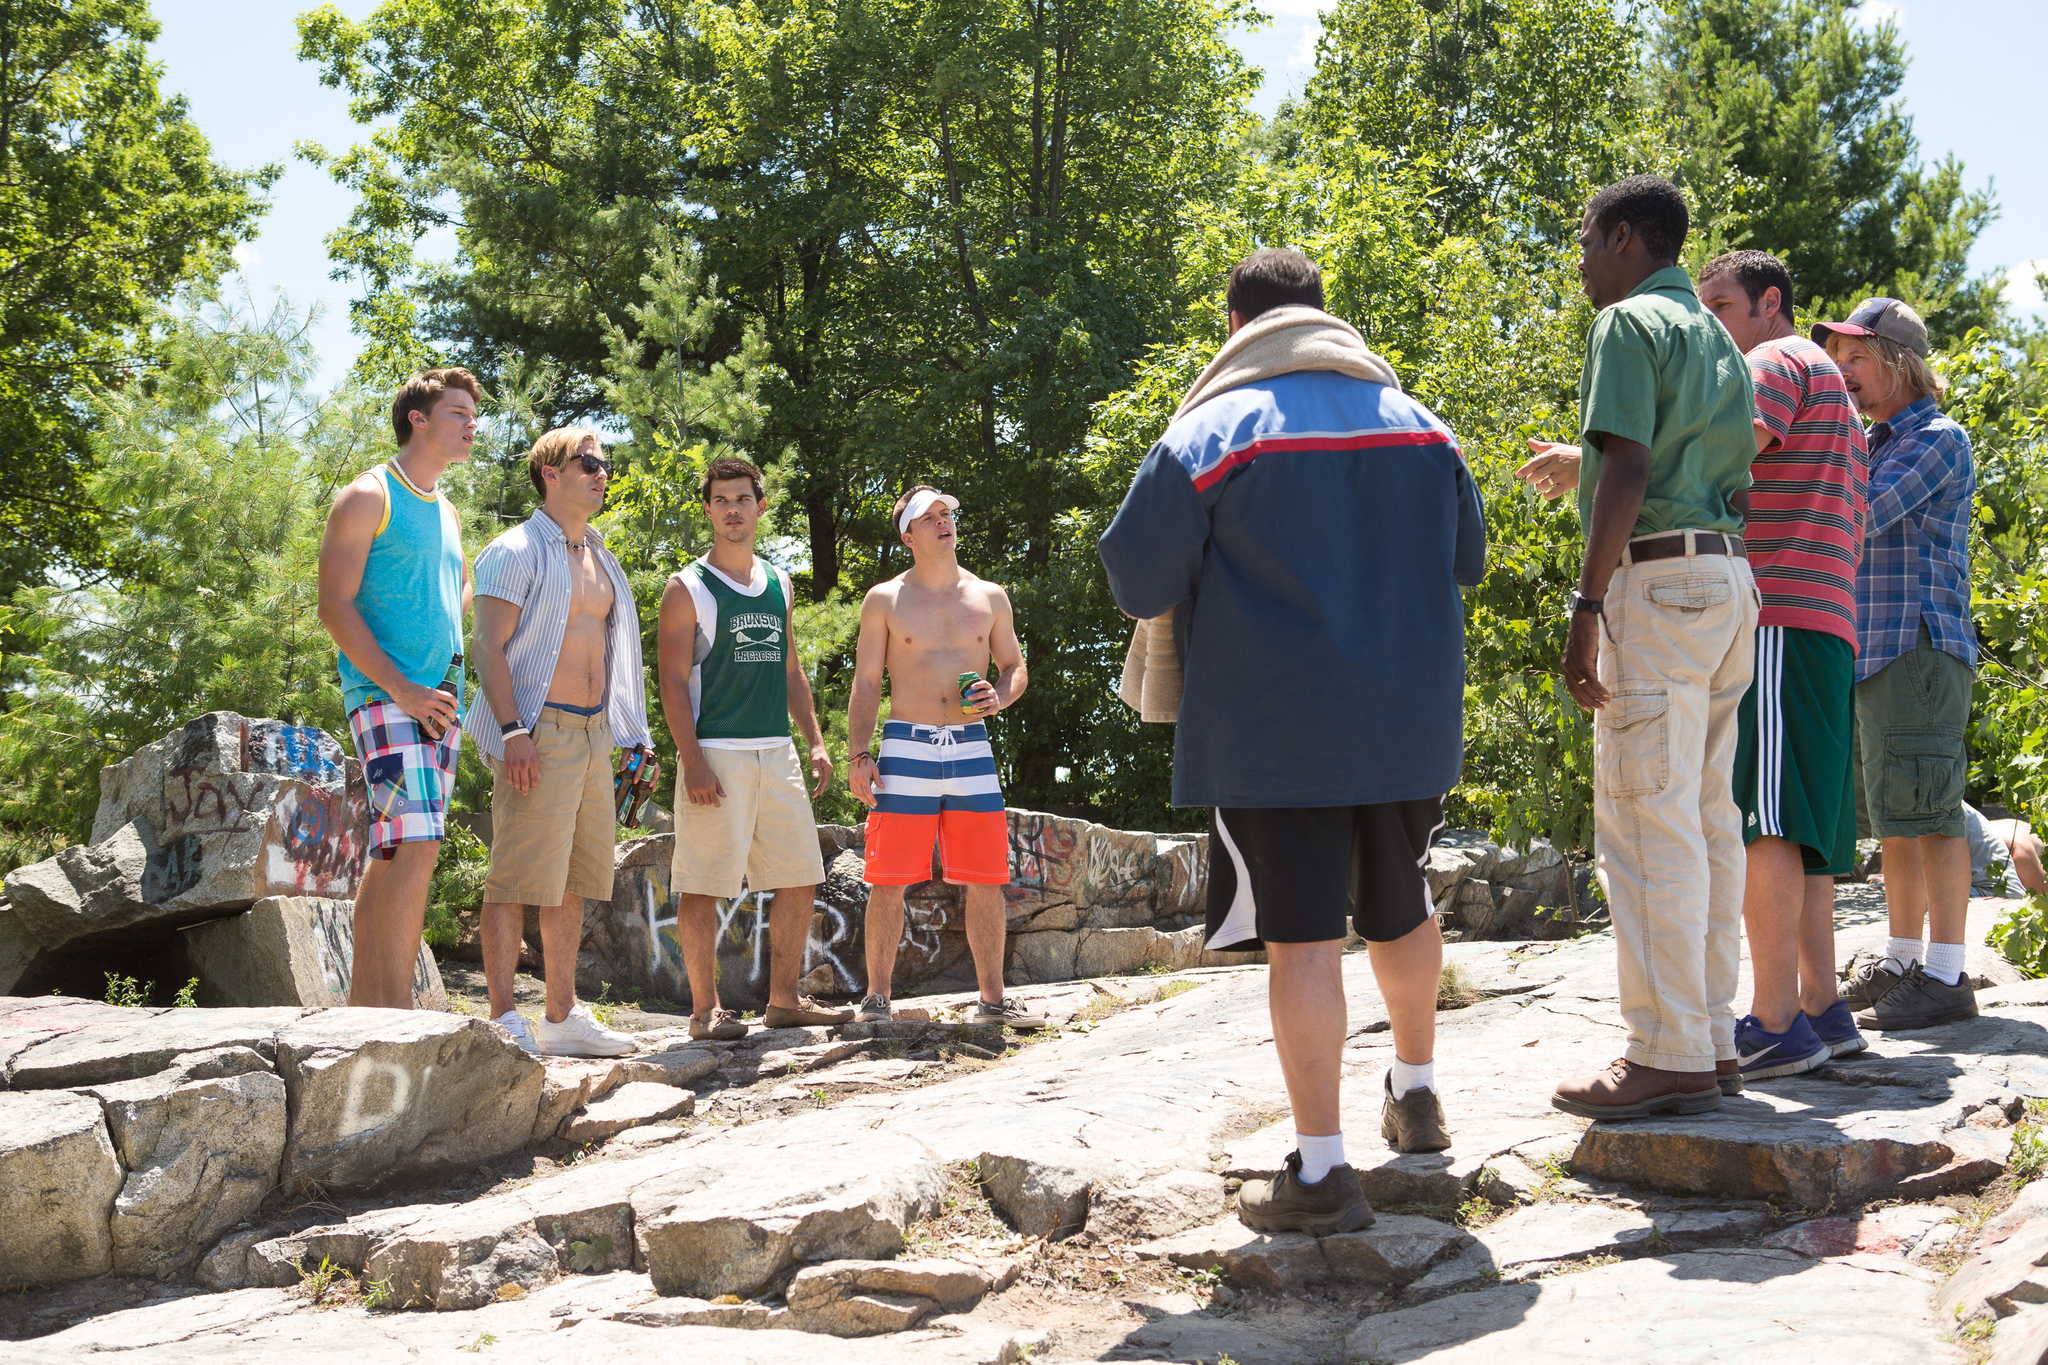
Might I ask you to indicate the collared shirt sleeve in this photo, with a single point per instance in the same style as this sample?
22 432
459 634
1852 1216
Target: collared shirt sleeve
504 572
1910 474
1620 381
1153 550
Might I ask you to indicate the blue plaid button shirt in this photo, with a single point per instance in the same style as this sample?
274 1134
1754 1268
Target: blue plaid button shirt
1916 557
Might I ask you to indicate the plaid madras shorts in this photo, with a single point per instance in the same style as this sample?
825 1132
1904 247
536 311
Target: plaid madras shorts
410 777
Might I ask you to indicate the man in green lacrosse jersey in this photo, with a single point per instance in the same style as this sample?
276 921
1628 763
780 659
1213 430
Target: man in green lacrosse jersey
730 683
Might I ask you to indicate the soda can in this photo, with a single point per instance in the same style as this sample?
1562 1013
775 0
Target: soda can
967 680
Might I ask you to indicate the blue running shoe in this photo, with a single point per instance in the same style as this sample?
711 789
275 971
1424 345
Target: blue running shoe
1836 1026
1760 1055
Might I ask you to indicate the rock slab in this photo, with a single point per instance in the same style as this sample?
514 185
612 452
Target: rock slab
59 1178
291 950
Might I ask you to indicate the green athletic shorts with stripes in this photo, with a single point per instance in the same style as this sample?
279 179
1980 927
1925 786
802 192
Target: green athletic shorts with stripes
1794 773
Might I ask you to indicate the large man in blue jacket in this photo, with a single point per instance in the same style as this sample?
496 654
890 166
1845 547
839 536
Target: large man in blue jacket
1308 526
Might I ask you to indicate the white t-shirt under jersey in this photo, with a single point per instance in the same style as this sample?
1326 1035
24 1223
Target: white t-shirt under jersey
707 625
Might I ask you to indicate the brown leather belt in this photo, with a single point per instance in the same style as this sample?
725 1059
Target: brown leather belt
1672 546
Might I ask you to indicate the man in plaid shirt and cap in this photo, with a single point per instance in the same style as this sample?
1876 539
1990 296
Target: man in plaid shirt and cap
1916 663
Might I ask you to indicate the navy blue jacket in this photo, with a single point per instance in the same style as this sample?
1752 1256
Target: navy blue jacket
1319 526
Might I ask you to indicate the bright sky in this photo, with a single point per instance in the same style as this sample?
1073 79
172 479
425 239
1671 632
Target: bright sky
234 60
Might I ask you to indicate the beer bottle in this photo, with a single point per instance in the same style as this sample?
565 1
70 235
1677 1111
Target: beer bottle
451 683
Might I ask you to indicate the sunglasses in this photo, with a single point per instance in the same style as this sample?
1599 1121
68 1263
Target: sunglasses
591 464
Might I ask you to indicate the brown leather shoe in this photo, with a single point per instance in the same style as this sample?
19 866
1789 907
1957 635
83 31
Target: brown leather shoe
1729 1076
807 1013
1628 1091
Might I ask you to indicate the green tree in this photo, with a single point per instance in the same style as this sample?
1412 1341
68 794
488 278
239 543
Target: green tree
109 200
1787 117
213 474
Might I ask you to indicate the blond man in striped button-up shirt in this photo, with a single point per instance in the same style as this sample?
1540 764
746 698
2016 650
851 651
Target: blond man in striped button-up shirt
558 653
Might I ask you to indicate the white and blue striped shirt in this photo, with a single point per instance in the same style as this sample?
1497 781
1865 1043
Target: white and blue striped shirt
529 566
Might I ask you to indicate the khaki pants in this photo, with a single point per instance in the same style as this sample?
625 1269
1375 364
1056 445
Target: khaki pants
1676 657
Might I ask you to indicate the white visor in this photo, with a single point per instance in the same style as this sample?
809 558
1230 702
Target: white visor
920 503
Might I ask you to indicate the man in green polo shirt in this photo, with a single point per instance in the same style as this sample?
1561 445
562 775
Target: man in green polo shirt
1662 635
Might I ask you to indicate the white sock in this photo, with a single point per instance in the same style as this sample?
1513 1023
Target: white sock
1409 1076
1904 951
1945 962
1318 1155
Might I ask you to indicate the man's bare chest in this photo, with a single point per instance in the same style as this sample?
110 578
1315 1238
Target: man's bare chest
590 588
938 625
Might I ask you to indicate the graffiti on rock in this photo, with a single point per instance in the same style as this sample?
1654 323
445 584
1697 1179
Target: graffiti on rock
377 1094
742 936
334 947
316 842
199 802
172 870
297 751
1044 850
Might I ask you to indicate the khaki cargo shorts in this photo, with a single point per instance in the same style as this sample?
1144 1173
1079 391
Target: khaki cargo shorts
762 830
557 840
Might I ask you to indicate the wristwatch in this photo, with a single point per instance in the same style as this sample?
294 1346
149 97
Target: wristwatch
1579 602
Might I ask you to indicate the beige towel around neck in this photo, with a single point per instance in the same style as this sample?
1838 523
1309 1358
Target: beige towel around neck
1279 341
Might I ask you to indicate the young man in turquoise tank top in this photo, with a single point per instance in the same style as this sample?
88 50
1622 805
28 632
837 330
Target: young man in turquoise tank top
393 592
730 683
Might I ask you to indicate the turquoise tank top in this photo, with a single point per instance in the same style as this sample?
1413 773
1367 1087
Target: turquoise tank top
411 595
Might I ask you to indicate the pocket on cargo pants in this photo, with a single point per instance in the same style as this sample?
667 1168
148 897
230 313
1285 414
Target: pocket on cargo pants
1632 741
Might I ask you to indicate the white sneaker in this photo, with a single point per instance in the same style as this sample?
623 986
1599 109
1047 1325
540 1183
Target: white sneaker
580 1035
514 1023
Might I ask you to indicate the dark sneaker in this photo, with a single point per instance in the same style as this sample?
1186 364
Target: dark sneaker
1921 1001
1005 1013
1761 1054
1415 1122
722 1026
808 1011
1728 1075
1867 977
1628 1091
874 1010
1332 1205
1836 1027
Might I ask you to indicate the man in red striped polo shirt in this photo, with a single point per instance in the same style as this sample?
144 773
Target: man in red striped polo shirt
1793 770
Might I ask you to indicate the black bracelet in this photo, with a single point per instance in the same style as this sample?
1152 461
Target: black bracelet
506 727
864 754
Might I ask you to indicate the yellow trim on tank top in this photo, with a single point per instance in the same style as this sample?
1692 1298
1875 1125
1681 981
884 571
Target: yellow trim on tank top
406 484
384 482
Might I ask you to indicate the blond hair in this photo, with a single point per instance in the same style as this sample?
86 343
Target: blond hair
553 450
1908 369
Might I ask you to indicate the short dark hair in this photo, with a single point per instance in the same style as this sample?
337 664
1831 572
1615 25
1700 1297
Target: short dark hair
1755 271
1273 277
729 467
1652 206
422 391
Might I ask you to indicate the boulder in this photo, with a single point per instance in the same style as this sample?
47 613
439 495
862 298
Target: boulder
291 950
630 1106
1897 1133
1040 957
1156 1208
59 1178
1048 862
18 949
213 817
379 1096
1041 1198
1395 1250
867 1298
115 1044
89 897
814 1196
201 1143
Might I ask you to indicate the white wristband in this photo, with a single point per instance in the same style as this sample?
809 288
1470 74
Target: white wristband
522 730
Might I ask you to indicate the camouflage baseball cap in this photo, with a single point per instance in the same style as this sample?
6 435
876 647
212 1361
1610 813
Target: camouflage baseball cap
1888 318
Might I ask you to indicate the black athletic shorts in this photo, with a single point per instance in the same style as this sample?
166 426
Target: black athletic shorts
1294 874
